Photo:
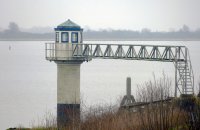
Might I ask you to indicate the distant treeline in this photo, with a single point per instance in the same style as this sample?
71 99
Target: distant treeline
14 33
136 35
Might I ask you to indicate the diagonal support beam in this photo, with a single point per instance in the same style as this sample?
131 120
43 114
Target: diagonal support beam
143 53
131 53
119 52
155 53
97 51
108 52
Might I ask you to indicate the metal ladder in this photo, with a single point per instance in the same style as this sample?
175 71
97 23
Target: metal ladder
185 75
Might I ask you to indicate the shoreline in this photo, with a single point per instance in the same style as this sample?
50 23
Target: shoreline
52 40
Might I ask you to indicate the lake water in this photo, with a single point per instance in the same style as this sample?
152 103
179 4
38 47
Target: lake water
28 81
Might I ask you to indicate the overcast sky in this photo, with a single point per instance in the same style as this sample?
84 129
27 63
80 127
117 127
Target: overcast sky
100 14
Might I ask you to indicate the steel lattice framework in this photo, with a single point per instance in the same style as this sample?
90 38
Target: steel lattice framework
179 55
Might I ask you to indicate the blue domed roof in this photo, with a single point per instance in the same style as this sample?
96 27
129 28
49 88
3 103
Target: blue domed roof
68 26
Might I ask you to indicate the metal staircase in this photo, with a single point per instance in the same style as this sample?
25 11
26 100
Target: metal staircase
185 75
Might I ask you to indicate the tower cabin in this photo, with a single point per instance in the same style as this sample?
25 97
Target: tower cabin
67 34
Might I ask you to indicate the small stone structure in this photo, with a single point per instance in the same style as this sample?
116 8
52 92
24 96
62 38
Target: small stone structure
128 98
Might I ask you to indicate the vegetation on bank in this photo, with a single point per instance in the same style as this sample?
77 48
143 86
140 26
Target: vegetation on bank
14 32
179 114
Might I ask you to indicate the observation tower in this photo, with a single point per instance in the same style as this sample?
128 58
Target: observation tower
68 71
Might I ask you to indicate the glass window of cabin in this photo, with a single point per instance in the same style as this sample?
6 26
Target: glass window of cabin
57 36
74 37
65 37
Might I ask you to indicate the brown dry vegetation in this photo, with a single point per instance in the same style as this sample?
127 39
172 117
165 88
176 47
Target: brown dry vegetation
159 116
156 117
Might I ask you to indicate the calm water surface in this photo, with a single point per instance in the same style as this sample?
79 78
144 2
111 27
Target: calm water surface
28 81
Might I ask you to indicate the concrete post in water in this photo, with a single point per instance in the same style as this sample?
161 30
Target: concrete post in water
128 98
128 88
67 35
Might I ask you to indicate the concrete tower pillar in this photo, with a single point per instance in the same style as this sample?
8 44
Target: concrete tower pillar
68 93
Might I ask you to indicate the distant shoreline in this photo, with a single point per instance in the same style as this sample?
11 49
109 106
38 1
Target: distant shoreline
114 35
52 40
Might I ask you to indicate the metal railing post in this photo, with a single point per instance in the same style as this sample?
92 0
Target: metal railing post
185 71
46 50
176 80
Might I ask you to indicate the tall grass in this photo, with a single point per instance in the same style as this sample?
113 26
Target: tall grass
160 116
163 115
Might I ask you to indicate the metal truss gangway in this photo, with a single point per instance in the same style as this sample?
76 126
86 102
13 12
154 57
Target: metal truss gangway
178 55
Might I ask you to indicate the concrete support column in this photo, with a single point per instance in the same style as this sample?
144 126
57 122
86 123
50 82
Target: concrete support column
68 93
128 87
128 98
